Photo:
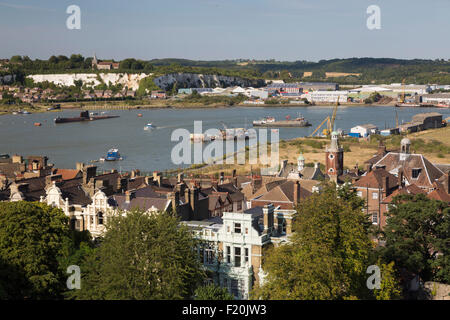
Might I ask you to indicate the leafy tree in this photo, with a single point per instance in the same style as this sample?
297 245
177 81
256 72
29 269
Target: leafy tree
390 286
78 83
31 242
212 292
374 97
76 58
141 257
16 59
417 229
328 253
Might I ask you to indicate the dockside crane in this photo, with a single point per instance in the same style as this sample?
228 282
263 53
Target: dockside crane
402 99
330 122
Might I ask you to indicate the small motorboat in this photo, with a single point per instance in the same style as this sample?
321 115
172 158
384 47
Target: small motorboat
139 114
113 155
37 124
26 112
149 126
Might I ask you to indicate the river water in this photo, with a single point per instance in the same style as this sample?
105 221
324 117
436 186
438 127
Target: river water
68 143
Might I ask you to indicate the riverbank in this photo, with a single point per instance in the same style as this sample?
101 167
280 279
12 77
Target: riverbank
433 144
166 103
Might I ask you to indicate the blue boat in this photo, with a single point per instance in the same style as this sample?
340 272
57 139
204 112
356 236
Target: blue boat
113 155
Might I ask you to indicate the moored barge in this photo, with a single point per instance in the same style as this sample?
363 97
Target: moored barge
298 122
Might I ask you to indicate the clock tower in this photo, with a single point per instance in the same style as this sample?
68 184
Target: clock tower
334 160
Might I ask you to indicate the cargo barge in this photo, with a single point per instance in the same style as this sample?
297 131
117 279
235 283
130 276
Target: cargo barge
84 116
271 122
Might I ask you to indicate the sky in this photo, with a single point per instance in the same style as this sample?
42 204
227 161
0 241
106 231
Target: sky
286 30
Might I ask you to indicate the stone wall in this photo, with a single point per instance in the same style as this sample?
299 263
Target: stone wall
437 291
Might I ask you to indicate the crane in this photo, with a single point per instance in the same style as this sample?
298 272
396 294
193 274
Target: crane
403 91
329 120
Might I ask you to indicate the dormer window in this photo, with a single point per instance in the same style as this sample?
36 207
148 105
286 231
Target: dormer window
237 228
415 173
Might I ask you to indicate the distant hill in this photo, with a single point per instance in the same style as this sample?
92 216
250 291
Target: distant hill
343 71
376 70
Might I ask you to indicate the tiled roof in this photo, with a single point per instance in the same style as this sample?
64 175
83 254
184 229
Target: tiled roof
411 189
284 192
374 179
439 194
76 195
429 173
136 183
67 173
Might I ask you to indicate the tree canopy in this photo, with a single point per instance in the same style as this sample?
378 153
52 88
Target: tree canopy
32 237
142 257
212 292
328 253
417 235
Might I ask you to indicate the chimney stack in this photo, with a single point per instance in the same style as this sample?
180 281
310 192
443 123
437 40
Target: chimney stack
88 173
157 177
187 195
268 218
17 159
296 192
49 179
235 180
386 186
174 197
128 196
400 178
80 166
122 184
194 197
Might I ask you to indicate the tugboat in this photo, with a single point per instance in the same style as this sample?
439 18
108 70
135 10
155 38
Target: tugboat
113 155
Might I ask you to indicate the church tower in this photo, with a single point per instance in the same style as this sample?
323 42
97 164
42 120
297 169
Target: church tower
94 61
300 162
334 158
